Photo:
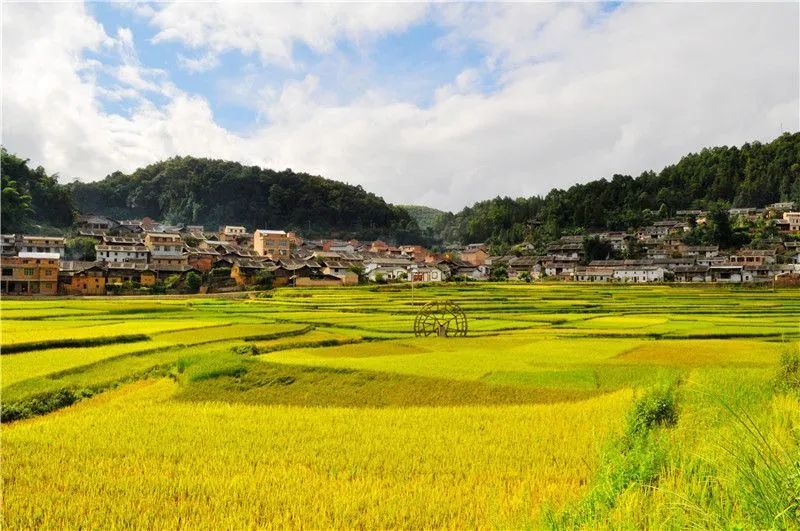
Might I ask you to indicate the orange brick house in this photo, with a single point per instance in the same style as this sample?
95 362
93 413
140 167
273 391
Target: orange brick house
30 273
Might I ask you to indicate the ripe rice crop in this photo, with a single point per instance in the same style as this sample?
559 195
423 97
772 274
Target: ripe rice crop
319 408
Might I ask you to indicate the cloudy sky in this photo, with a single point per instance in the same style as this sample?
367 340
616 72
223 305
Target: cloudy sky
441 105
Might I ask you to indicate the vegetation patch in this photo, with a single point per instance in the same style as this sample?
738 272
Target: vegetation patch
72 343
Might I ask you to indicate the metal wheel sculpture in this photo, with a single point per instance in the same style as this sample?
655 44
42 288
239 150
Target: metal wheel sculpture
441 319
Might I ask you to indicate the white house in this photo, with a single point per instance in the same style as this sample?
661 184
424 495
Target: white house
122 253
639 273
426 274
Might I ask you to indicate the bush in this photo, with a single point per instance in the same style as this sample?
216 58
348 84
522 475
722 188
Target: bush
246 350
158 288
263 279
113 289
498 274
193 282
525 276
171 282
129 285
221 272
658 407
788 378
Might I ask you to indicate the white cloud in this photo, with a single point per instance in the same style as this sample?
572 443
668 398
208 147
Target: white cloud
271 30
580 94
205 62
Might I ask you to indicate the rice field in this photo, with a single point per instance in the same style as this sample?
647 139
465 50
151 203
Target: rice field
565 407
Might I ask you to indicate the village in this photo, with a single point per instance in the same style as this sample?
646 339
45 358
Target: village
144 256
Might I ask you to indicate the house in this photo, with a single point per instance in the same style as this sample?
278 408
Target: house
690 273
565 270
415 252
725 273
640 273
121 272
131 239
82 278
194 231
787 206
290 269
518 264
130 226
793 251
386 262
9 245
244 270
202 259
274 244
793 219
165 249
335 267
337 246
426 274
96 222
379 246
565 251
594 274
41 244
706 251
753 257
122 253
30 274
233 233
616 239
475 254
387 273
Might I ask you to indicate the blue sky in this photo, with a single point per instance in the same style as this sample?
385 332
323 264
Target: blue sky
434 104
406 66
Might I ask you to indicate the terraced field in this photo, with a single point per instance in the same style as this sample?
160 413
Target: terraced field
566 406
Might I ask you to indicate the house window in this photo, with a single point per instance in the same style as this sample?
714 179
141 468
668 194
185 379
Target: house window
28 271
7 271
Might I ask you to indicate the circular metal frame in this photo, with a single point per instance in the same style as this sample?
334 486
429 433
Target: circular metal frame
440 319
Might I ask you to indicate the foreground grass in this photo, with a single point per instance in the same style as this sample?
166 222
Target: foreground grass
318 408
215 465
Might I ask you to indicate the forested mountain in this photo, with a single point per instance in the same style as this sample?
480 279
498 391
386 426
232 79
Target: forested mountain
425 216
754 175
216 192
32 200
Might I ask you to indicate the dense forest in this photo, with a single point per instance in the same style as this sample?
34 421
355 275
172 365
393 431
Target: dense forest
216 192
753 175
31 199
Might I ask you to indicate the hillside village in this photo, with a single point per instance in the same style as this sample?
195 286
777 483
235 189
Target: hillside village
145 256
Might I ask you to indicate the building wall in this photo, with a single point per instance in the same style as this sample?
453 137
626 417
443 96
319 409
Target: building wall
308 282
88 283
274 245
29 276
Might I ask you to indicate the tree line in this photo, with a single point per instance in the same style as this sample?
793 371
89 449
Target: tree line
192 190
753 175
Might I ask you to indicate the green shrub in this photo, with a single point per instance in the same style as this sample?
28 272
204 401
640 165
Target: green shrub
158 288
263 279
246 350
221 272
788 378
658 407
171 282
42 404
193 282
